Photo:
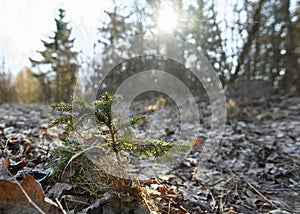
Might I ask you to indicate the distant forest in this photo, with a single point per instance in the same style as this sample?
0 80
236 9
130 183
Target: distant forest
261 40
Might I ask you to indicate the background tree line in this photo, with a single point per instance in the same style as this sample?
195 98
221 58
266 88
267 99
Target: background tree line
260 41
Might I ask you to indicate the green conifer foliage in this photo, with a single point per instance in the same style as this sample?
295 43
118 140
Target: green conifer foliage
117 137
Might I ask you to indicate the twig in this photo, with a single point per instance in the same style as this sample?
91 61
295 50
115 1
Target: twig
26 195
75 156
221 207
213 203
181 207
142 195
243 204
60 206
258 192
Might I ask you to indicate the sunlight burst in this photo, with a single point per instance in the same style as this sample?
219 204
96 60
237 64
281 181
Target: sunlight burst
167 18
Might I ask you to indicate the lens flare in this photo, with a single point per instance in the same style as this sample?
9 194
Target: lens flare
167 18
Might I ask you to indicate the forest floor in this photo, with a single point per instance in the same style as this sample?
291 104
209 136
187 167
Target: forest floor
256 168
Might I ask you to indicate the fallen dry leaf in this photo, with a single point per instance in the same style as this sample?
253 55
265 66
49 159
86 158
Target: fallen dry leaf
13 200
151 181
162 190
5 164
58 189
197 142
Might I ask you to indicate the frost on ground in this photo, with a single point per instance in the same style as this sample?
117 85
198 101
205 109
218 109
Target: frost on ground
255 169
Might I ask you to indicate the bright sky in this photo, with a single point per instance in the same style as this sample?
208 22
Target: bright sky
23 23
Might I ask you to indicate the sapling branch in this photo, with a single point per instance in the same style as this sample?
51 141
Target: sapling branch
119 138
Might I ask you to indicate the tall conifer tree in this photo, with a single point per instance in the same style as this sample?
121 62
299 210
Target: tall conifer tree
58 66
